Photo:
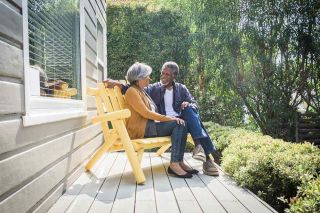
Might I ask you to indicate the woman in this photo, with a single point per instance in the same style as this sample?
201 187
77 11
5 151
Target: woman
146 122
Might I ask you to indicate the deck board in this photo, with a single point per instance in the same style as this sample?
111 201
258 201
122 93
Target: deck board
250 202
200 192
165 198
125 197
145 196
219 191
67 198
107 193
184 196
88 193
112 188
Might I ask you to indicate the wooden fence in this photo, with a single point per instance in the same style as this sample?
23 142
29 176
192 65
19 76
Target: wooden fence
308 128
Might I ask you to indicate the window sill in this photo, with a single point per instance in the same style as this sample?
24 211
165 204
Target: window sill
47 110
31 120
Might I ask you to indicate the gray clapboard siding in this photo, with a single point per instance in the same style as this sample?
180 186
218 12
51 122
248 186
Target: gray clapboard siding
90 40
85 152
30 194
14 136
101 9
100 76
90 10
91 83
11 23
91 102
91 70
11 61
91 24
18 2
38 159
90 54
11 98
21 167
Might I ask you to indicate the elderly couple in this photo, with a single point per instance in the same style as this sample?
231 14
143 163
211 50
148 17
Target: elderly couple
166 108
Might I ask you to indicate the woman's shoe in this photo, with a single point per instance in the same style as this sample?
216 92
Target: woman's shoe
192 171
188 169
171 172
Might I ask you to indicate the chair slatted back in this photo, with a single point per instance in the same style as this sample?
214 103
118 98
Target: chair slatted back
106 101
109 100
120 98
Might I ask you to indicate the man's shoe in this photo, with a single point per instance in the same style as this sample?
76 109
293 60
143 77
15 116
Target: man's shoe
171 172
209 168
198 153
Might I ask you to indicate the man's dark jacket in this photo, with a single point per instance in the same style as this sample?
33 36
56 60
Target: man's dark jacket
157 90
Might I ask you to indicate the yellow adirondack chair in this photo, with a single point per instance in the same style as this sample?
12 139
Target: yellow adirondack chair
112 110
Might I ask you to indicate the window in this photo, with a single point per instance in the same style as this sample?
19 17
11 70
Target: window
54 46
53 60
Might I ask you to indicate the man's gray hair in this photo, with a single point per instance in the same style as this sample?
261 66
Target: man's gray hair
137 72
173 66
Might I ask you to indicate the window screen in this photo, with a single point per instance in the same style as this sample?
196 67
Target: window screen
54 46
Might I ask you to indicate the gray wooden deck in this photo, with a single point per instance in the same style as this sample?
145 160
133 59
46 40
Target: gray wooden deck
112 188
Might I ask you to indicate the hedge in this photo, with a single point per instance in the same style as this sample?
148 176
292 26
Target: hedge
308 199
285 175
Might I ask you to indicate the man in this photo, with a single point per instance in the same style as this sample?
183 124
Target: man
174 99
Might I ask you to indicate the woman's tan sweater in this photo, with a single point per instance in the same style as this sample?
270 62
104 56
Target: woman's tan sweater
140 109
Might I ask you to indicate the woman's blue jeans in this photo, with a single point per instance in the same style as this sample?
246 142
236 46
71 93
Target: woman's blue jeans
197 130
178 135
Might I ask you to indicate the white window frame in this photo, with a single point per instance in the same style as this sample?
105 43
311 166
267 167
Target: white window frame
39 109
103 62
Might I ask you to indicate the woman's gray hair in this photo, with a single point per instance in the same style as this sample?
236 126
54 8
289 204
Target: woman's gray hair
173 66
137 72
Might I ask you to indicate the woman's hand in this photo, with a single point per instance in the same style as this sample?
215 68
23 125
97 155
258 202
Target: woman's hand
179 121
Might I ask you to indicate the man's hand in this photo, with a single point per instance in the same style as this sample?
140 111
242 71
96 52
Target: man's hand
184 105
179 121
109 83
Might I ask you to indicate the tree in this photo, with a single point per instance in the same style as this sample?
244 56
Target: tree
236 56
136 34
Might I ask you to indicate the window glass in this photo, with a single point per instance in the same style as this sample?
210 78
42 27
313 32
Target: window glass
54 46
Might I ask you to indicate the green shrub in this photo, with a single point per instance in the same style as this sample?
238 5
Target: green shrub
308 198
224 135
271 168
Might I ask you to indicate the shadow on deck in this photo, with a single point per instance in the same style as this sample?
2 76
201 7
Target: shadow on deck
112 188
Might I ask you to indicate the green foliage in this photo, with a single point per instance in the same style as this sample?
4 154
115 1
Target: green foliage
275 170
261 54
136 34
154 36
224 135
237 57
308 199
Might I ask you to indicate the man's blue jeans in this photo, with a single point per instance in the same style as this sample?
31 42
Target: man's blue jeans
178 135
197 130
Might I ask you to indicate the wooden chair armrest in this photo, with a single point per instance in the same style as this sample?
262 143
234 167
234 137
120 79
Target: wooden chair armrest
111 116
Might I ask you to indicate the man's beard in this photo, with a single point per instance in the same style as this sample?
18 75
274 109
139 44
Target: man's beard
164 82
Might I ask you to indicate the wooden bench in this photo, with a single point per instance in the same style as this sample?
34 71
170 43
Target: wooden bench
112 114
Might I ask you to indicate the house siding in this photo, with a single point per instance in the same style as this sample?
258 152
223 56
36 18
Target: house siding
38 163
